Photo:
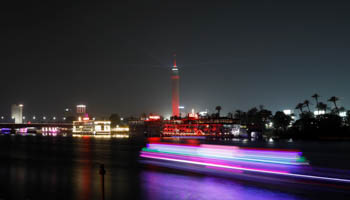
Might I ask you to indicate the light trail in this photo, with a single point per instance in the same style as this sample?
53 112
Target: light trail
230 153
145 155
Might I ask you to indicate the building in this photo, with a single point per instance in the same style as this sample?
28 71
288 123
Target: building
175 78
81 109
17 113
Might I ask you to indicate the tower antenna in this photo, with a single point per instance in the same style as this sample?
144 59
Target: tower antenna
175 60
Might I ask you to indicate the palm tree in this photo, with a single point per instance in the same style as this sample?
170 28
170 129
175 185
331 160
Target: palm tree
334 99
307 103
322 106
316 96
218 108
300 106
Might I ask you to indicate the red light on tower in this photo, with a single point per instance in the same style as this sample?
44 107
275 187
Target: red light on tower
175 88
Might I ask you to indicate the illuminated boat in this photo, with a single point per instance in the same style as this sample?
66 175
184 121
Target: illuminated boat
191 125
194 125
87 126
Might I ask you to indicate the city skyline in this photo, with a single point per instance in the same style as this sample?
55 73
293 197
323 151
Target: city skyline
118 57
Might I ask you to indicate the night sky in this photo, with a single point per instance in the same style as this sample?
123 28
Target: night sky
116 56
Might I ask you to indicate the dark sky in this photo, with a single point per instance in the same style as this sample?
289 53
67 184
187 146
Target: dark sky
116 56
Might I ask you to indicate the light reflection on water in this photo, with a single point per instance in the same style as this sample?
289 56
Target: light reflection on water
67 168
158 185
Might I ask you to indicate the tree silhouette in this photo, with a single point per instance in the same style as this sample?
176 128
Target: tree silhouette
115 119
238 114
334 100
300 107
307 104
218 108
316 96
242 116
322 106
281 120
347 119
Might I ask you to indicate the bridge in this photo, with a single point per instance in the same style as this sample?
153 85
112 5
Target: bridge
35 125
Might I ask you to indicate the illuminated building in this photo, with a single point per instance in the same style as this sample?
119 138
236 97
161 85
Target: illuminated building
175 89
17 113
81 109
85 126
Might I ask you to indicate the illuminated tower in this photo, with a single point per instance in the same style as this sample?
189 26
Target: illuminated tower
175 88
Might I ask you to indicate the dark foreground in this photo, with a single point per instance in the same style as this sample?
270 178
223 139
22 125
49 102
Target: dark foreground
67 168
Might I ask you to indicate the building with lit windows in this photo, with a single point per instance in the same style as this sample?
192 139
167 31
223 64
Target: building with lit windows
81 109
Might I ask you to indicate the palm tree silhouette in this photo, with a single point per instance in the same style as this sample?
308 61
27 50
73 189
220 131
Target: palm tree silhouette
307 103
334 99
300 106
322 106
316 96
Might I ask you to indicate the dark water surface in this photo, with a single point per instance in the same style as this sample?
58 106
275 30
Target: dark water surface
34 167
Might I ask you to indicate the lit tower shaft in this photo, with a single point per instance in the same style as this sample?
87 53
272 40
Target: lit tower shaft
175 89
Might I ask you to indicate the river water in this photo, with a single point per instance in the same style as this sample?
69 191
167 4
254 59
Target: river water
35 167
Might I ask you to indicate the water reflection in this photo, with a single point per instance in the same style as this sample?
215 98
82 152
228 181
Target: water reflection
161 185
67 168
84 169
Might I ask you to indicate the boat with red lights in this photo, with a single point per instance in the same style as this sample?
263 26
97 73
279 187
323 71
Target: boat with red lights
191 125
